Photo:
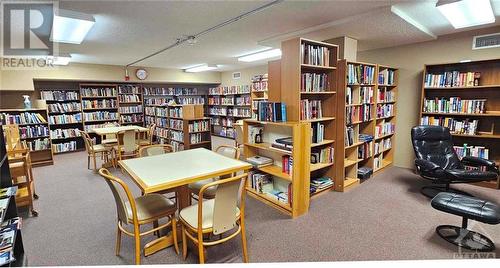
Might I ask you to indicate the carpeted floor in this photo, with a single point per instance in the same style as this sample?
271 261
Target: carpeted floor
384 218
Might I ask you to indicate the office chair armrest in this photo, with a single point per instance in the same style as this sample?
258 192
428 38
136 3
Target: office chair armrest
477 161
427 166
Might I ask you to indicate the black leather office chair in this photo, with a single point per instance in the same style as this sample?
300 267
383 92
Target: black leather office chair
438 162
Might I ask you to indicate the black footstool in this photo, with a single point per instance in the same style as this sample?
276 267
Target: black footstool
469 208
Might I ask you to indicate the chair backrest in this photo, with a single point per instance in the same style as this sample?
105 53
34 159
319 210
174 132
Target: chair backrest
155 149
110 136
229 151
227 197
434 144
151 132
121 194
126 140
238 126
86 140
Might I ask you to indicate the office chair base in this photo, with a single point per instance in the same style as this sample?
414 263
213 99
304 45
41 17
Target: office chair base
465 238
431 191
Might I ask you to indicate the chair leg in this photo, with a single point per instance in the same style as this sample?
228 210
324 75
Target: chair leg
155 225
94 161
184 242
88 161
118 240
174 234
201 250
137 249
244 240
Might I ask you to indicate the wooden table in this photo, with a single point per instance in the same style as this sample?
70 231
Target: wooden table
113 130
177 170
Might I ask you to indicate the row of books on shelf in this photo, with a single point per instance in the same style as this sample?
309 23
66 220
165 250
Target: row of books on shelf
259 78
382 145
156 101
356 114
160 111
317 132
150 111
319 184
161 132
323 156
360 74
386 77
365 150
229 90
8 234
263 183
217 100
176 124
466 126
22 118
349 137
170 91
259 82
365 96
452 79
184 100
237 111
287 164
314 82
454 105
227 132
129 98
38 144
177 146
195 138
176 135
65 119
175 112
98 104
100 115
65 147
33 131
243 100
58 95
310 109
89 128
130 109
385 110
198 126
129 89
271 111
315 55
161 122
385 95
98 92
470 150
132 118
64 107
378 161
383 129
64 133
222 121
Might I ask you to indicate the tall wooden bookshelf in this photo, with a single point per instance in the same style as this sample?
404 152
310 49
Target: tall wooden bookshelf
36 118
368 116
295 183
104 107
130 104
295 66
486 87
226 105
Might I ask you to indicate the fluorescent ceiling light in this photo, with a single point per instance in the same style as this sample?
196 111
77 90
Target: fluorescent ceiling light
71 27
200 68
467 13
261 55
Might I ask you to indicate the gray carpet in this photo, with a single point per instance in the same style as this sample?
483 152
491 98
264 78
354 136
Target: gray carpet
384 218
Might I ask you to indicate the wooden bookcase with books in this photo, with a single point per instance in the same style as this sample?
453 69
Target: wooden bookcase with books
284 183
465 97
65 115
309 90
34 130
226 105
100 105
130 104
259 92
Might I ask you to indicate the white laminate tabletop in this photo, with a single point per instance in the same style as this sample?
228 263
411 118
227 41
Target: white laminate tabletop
161 172
114 130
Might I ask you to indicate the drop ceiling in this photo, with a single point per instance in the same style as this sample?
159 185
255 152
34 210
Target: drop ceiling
128 30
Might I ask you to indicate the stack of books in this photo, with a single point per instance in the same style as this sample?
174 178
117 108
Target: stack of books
318 184
284 144
259 161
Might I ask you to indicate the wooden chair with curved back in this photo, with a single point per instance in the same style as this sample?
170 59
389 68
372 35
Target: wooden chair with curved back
139 211
155 149
216 216
109 139
195 187
127 146
94 149
148 139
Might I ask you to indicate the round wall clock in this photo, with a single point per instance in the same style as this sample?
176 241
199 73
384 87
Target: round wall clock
141 74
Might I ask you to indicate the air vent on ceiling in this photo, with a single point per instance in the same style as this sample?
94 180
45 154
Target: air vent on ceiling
486 41
237 75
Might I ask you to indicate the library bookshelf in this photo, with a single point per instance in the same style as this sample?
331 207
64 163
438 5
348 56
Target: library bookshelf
130 104
464 82
366 119
100 105
309 102
226 105
295 183
34 130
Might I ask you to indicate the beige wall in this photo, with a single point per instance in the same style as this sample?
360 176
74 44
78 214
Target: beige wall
410 60
23 80
246 75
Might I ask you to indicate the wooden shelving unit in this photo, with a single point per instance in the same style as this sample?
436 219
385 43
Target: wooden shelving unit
487 88
226 105
101 95
295 67
40 146
130 104
259 92
296 184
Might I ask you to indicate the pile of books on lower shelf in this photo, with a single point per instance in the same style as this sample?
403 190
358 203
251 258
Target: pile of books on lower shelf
263 183
65 147
319 184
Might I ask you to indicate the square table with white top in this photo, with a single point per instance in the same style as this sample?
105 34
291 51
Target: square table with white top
115 129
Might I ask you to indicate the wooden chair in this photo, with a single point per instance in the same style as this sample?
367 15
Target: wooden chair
148 139
95 149
22 177
109 139
195 187
216 216
139 211
155 149
127 146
